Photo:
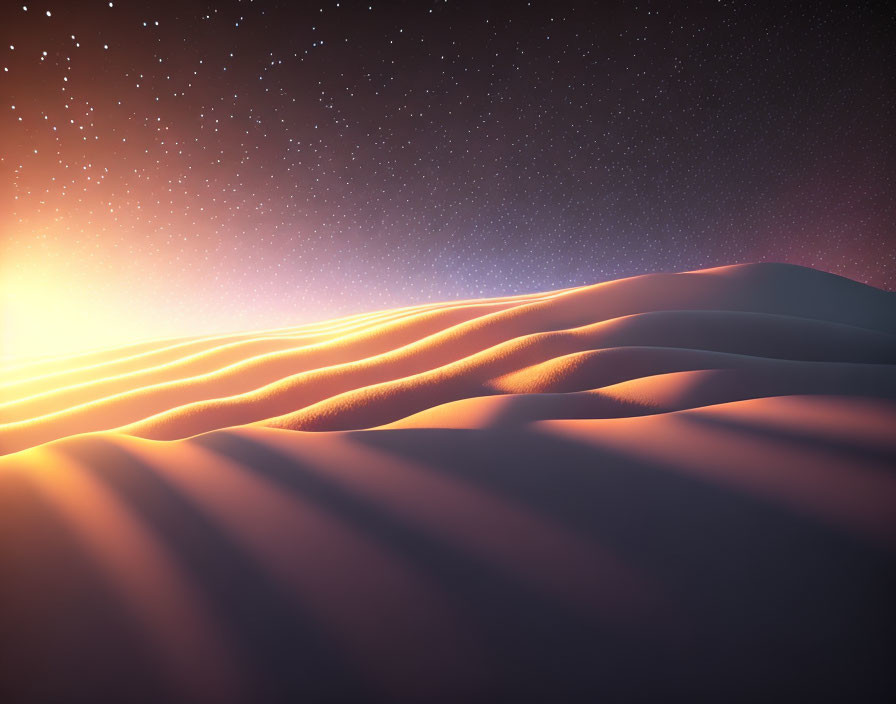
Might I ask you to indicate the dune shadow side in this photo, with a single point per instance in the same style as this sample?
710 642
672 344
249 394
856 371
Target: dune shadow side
771 599
763 599
524 629
282 648
64 630
843 448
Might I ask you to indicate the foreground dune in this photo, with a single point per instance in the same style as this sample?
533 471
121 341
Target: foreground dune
672 487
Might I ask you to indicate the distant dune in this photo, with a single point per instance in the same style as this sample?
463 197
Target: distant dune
673 487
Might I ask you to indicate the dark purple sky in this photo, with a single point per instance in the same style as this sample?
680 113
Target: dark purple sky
201 166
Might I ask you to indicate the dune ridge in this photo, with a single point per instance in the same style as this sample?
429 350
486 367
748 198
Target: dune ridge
374 369
31 378
337 342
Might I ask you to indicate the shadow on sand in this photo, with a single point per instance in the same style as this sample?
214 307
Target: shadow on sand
751 597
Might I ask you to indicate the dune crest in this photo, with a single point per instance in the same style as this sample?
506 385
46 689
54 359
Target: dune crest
774 330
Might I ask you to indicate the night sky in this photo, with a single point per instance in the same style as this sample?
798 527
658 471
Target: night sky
193 167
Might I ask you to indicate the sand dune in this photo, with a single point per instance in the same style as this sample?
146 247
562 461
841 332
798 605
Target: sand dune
198 355
660 394
378 368
243 361
670 487
380 403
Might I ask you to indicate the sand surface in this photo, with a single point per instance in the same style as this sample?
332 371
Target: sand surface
675 487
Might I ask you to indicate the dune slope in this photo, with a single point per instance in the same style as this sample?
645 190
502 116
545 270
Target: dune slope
674 487
370 370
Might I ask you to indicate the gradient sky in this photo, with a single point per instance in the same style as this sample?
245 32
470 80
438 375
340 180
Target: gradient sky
194 167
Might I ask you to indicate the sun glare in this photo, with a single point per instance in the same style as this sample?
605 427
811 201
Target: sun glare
39 319
45 314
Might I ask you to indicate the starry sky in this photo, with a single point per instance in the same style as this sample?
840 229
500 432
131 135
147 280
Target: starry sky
194 167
